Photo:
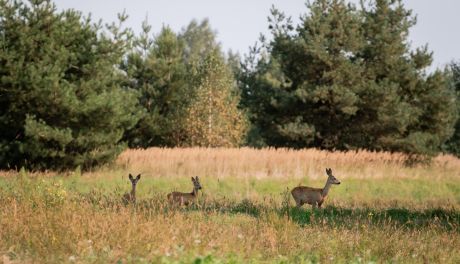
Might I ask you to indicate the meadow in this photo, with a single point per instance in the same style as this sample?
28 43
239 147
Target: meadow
384 210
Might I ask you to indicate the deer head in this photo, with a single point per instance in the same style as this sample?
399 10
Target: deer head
196 183
331 179
134 180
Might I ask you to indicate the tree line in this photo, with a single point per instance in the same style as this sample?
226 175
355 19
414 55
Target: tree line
74 92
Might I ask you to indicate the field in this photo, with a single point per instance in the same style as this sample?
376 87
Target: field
384 211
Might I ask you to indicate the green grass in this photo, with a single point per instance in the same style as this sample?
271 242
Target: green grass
80 218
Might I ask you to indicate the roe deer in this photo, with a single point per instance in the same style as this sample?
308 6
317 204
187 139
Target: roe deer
186 198
131 197
313 196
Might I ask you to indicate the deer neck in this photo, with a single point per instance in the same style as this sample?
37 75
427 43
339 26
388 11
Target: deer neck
194 192
326 189
133 191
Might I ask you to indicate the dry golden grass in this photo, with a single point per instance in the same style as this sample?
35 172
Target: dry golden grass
281 163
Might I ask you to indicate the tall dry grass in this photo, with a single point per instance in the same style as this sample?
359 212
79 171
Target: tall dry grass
282 163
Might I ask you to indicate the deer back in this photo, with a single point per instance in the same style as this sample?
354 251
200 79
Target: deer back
181 198
307 194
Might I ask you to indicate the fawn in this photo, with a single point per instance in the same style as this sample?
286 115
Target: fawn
131 197
313 196
186 198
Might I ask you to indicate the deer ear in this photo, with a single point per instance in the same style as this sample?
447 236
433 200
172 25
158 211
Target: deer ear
138 177
130 176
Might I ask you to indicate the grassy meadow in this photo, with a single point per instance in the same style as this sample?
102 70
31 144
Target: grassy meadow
384 211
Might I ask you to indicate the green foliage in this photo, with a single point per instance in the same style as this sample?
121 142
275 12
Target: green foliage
213 118
346 78
419 117
453 144
200 41
176 75
62 105
157 70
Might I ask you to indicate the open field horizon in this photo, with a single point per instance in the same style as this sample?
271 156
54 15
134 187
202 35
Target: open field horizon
384 211
268 162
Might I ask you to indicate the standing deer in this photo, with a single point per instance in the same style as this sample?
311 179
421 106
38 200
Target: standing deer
186 198
313 196
131 197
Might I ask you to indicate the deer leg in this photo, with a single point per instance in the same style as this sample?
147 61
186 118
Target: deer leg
298 203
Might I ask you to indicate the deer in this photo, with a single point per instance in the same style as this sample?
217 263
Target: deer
131 196
314 196
186 198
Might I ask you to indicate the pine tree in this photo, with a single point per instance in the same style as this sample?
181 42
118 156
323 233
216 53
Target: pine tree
61 102
413 111
213 118
346 78
453 144
158 71
311 82
259 80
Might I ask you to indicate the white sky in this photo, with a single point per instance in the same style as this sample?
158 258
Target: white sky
239 23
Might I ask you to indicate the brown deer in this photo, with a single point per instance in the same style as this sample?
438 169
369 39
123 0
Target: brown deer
185 198
131 197
314 196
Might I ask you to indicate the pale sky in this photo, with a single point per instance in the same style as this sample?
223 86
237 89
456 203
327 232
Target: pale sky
239 23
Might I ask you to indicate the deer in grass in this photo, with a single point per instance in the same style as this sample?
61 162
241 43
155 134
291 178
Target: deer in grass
186 198
314 196
131 196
